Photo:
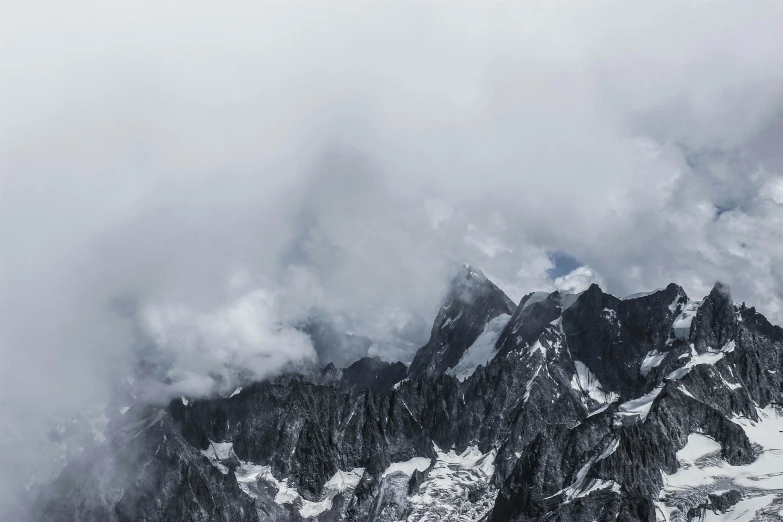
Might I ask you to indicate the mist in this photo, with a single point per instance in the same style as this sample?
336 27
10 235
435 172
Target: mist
185 185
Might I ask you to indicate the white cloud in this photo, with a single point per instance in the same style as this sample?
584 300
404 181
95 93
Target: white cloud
243 336
334 156
578 280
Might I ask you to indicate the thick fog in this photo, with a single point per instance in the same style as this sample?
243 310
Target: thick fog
185 185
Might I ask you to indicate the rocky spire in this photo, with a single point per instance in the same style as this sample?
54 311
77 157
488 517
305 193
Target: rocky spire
715 323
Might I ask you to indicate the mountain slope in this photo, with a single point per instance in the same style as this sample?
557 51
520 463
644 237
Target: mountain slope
588 407
471 303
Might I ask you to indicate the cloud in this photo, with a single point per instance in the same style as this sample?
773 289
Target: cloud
350 171
184 183
578 280
208 350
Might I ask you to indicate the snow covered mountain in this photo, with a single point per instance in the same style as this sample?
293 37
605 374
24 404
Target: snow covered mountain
583 407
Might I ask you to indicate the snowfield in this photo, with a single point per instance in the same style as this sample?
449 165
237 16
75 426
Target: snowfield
703 471
457 486
446 492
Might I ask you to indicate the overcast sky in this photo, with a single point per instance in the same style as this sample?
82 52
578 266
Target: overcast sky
187 180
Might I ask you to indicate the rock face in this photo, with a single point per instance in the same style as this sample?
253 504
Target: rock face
371 373
471 303
589 407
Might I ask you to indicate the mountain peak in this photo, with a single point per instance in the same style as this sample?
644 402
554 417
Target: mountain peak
469 271
467 279
715 322
470 304
721 290
593 411
469 284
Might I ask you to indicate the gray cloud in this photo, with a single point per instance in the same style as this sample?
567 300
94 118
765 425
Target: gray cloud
203 179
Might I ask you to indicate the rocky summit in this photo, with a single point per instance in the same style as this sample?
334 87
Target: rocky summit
565 407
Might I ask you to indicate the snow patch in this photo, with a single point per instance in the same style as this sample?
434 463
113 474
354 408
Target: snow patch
675 303
409 466
682 323
601 409
709 357
610 449
218 452
581 487
236 392
340 482
597 485
585 381
684 390
248 474
641 294
638 409
529 385
124 410
729 385
481 351
698 446
651 360
538 347
451 320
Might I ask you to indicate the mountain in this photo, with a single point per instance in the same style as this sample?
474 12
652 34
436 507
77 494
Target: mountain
470 304
566 407
373 374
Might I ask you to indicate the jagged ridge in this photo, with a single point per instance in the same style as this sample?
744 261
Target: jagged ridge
579 415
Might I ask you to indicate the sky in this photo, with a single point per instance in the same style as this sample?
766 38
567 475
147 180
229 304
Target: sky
188 183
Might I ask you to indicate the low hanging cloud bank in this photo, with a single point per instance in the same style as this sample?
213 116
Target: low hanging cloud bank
218 346
183 188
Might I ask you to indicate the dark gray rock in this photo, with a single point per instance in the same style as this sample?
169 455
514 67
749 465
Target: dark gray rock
472 302
715 323
721 503
564 452
371 373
